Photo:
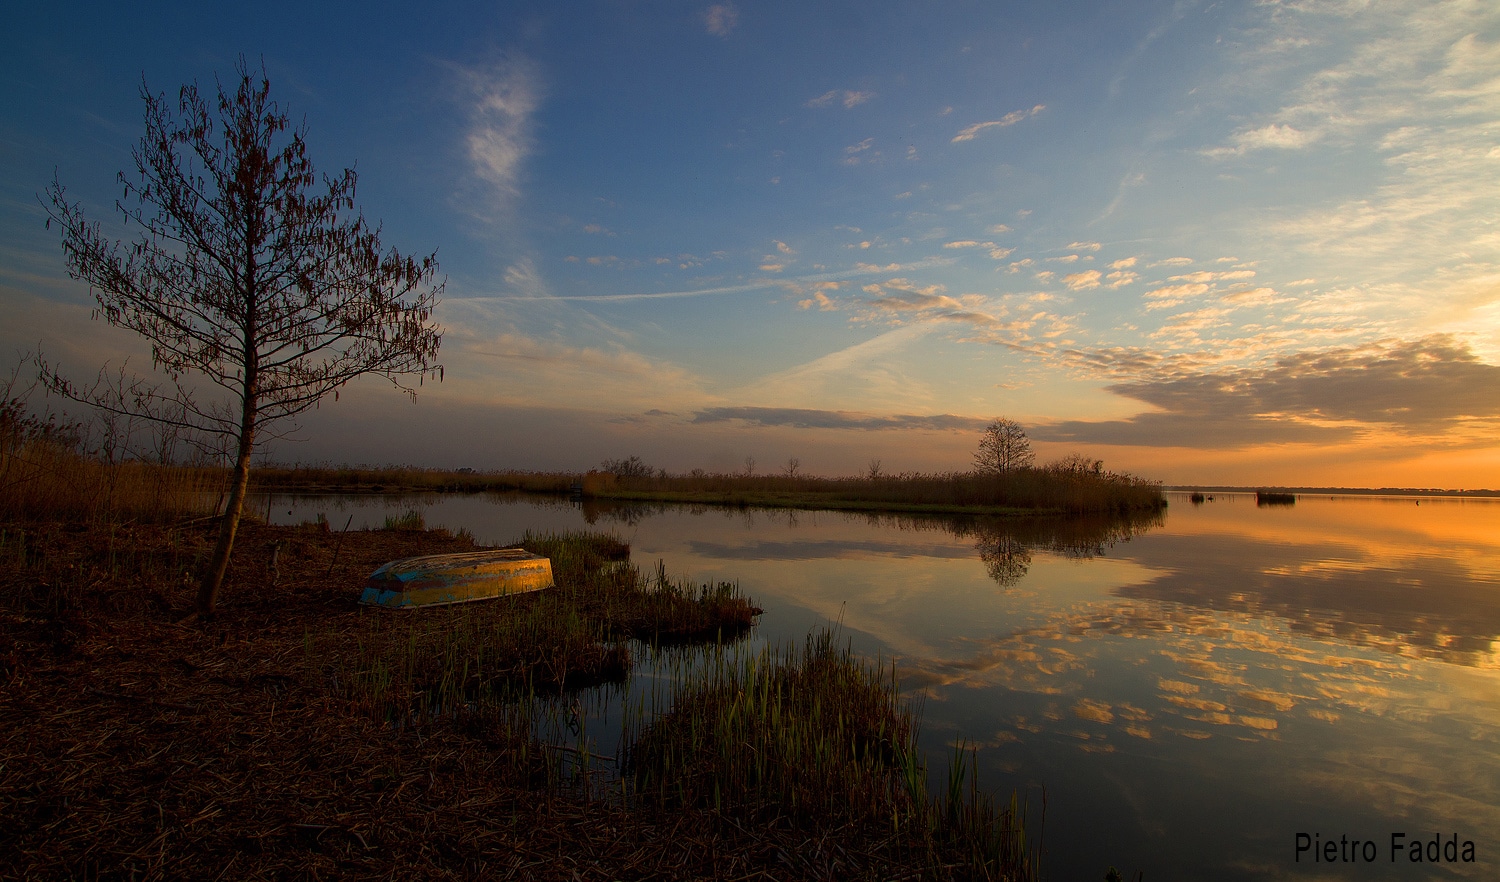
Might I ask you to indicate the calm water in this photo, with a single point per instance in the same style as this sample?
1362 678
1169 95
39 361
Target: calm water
1190 693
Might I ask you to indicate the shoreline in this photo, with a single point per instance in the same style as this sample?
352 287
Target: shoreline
295 735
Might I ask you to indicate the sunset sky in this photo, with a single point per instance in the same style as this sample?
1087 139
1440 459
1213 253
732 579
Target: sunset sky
1240 243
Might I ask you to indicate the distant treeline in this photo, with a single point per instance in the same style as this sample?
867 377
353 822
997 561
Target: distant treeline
1341 491
1057 489
401 479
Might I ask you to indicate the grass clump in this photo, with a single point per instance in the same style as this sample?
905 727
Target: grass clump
418 663
593 571
411 519
819 740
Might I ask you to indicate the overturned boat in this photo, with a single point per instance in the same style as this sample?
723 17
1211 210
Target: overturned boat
437 579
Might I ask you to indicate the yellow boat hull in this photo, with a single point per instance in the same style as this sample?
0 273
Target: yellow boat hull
440 579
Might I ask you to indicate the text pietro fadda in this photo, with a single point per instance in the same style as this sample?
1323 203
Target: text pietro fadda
1404 848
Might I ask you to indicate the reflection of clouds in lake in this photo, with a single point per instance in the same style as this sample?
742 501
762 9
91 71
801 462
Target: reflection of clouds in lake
1406 604
1188 674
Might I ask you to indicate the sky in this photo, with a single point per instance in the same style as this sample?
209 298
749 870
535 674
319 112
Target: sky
1208 243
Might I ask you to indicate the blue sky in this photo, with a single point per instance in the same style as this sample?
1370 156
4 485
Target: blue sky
1241 243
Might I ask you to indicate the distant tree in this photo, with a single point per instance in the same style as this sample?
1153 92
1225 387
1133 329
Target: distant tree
873 470
1003 448
633 467
793 465
250 270
749 466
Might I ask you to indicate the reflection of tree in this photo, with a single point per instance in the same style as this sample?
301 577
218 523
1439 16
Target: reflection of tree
1006 544
1006 559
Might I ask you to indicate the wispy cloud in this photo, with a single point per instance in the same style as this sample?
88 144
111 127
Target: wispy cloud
1273 136
504 98
969 133
859 269
996 252
721 18
849 98
807 418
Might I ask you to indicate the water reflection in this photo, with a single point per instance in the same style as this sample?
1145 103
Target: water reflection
1191 690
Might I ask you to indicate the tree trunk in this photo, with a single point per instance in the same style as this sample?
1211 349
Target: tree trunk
208 590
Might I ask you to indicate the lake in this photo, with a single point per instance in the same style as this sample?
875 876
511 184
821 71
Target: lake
1195 695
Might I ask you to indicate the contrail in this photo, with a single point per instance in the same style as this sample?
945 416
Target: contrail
729 289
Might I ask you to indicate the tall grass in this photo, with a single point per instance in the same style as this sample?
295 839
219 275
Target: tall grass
331 478
47 472
1060 490
651 607
820 737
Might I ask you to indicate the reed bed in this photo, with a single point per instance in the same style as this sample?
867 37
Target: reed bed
821 738
482 655
653 608
1056 490
305 736
43 479
406 479
1053 489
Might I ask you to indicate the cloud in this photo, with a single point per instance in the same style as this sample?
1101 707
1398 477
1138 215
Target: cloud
847 97
852 153
1426 386
1273 136
1082 281
542 372
1085 246
597 230
995 251
505 96
803 418
1205 276
1169 296
721 18
968 133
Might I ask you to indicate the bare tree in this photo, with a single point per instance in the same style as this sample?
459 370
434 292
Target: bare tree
873 470
249 273
633 467
1003 448
749 466
793 465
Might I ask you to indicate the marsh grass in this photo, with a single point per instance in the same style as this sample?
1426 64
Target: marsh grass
593 571
412 519
820 738
1057 489
1270 497
428 662
1054 490
47 479
464 719
405 479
